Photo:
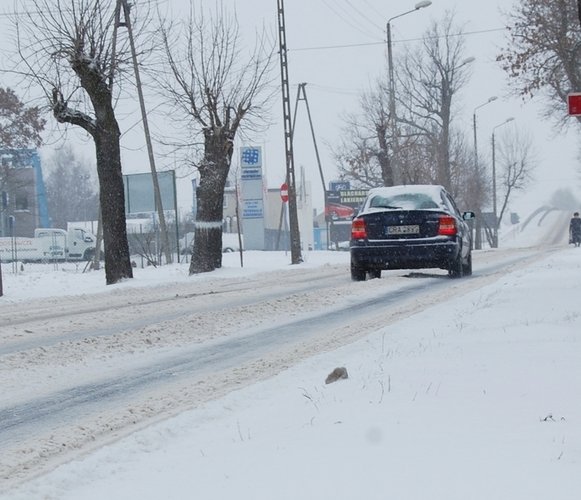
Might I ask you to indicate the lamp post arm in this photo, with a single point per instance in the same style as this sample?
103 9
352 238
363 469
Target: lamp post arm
400 15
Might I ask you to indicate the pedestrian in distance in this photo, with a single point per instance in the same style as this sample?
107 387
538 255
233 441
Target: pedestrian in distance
575 230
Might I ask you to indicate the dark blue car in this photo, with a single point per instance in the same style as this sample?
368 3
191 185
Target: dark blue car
410 227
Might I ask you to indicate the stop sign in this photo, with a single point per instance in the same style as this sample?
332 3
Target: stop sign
284 192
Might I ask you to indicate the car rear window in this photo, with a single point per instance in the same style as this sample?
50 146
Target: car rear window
406 201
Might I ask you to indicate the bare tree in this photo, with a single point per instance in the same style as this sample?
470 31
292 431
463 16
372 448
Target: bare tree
69 48
470 182
431 76
364 154
564 199
70 190
214 87
429 149
20 126
544 51
515 164
516 159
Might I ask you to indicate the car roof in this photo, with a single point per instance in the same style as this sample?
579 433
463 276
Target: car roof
432 190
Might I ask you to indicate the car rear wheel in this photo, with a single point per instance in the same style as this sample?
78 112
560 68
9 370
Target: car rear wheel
374 273
358 274
467 268
456 269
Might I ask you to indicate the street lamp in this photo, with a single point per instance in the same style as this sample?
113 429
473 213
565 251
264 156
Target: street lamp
468 60
495 234
478 239
418 6
490 99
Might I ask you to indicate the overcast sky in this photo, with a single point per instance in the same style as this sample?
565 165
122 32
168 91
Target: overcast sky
333 71
338 47
355 33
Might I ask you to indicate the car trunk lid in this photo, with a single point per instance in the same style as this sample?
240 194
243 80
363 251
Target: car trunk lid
398 224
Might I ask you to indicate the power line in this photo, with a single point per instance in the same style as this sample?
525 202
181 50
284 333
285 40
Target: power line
351 22
363 15
326 47
372 7
407 40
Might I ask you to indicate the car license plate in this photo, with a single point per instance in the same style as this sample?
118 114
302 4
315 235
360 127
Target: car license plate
402 230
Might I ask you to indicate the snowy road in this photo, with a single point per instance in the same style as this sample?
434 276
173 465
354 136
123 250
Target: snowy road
81 372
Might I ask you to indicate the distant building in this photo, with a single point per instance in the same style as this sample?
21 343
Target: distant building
275 217
23 204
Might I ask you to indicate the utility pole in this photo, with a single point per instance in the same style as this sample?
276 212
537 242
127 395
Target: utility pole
295 237
478 224
395 174
156 190
302 90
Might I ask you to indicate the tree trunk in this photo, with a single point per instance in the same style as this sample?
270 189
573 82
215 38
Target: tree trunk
444 177
112 197
105 132
207 250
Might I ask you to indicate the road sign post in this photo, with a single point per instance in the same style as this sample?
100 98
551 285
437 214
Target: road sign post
284 192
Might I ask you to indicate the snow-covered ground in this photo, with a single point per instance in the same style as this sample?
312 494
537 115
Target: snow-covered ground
474 398
32 281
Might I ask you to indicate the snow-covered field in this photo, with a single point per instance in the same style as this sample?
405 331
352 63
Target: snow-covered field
476 397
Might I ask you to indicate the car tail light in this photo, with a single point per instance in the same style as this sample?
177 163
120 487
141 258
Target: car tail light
447 226
358 230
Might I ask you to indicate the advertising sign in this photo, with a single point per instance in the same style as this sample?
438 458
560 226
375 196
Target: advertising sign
252 190
339 185
139 195
250 156
342 204
253 209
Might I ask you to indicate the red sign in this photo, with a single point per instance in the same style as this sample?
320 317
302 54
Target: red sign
284 192
574 102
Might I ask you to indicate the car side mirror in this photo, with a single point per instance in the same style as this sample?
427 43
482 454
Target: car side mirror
468 215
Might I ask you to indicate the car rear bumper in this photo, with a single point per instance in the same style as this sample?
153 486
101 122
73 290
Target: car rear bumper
394 255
